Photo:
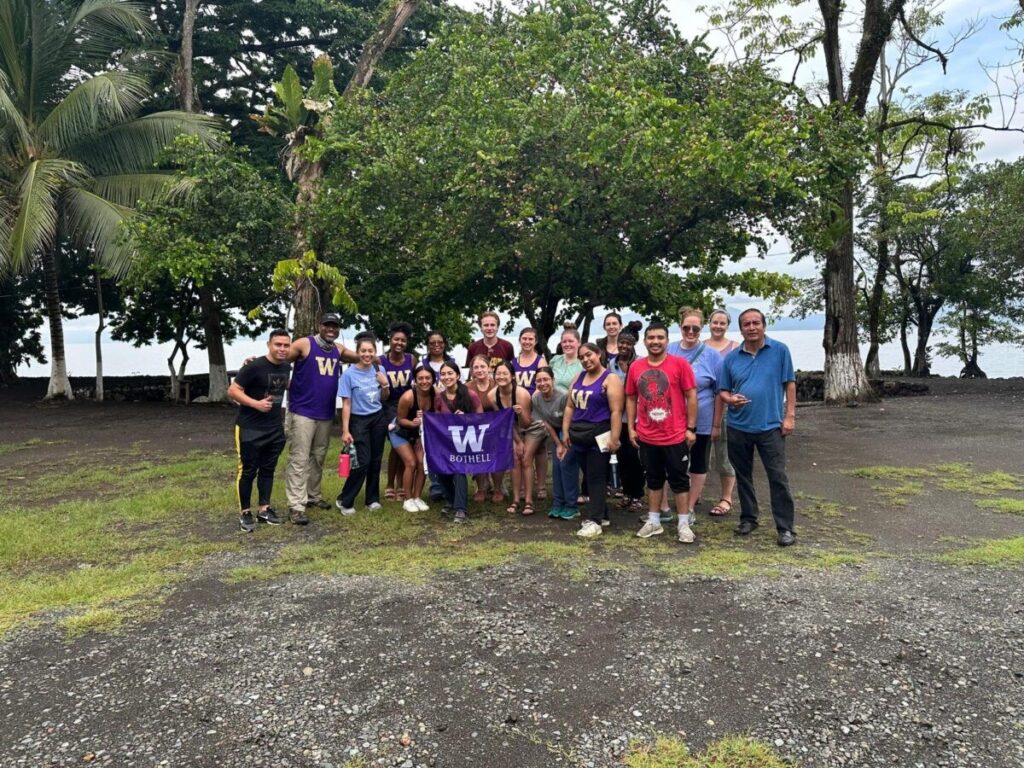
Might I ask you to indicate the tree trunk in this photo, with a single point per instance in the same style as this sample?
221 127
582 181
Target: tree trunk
183 77
925 323
971 369
99 334
214 345
905 345
306 303
378 44
845 380
60 384
871 366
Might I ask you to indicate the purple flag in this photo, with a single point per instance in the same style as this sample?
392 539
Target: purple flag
470 444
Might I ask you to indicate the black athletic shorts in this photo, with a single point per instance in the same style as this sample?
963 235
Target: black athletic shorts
671 462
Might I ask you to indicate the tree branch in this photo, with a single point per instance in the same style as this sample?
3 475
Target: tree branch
910 33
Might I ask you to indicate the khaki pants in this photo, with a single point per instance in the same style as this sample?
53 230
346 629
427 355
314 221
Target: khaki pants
308 440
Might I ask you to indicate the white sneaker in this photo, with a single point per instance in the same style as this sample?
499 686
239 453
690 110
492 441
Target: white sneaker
606 523
421 505
650 529
410 505
345 510
589 530
685 534
374 507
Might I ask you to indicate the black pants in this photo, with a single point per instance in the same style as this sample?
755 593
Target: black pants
595 470
631 469
369 434
771 447
257 459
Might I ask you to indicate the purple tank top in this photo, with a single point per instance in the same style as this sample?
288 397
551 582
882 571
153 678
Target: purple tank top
525 374
590 402
315 383
399 376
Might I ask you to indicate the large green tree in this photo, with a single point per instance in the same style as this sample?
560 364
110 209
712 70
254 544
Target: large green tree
553 160
76 153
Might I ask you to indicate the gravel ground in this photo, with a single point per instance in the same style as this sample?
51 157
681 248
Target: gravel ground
889 664
901 661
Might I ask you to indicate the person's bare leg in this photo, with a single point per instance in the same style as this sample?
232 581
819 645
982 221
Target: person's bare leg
696 488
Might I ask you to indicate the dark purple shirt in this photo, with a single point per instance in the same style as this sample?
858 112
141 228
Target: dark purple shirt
315 383
590 401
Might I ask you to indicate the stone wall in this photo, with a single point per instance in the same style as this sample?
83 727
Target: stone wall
810 387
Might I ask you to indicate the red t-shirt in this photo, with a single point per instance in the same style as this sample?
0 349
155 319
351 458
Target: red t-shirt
661 399
502 350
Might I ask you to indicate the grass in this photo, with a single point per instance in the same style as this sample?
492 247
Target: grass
102 543
35 442
958 478
1005 505
730 752
992 553
816 506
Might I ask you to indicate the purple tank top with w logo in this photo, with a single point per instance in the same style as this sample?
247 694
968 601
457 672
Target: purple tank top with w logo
590 401
525 374
315 383
399 375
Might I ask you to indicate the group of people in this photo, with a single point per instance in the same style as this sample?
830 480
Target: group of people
604 419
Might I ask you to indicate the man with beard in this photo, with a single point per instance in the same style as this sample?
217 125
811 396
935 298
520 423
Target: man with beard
317 363
661 408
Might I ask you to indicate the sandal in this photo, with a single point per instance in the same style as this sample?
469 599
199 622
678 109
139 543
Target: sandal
582 500
497 497
527 509
480 496
542 494
389 494
399 494
512 508
721 509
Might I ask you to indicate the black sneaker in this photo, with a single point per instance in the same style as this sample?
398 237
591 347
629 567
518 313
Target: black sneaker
299 517
247 522
318 504
268 516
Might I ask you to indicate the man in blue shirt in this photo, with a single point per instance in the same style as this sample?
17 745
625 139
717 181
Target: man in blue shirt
759 387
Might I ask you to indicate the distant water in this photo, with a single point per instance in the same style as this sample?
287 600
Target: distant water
121 359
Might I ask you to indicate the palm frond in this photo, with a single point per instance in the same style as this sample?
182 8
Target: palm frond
6 219
12 124
101 26
128 189
134 146
35 208
93 106
96 223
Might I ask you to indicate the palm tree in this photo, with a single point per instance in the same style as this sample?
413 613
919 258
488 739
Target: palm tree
75 154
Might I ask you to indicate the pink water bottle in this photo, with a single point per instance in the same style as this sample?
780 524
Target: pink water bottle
344 464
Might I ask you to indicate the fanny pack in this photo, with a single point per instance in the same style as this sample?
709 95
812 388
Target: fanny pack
583 433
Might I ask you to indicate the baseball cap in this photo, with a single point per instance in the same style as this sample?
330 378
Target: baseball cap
331 318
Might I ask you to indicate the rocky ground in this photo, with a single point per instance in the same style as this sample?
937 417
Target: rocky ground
897 660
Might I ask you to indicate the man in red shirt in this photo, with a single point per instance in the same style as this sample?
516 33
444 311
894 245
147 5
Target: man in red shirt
490 346
661 414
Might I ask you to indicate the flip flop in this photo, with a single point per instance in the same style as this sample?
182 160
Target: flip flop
719 510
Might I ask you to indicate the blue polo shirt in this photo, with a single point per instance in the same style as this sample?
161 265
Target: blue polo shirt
761 377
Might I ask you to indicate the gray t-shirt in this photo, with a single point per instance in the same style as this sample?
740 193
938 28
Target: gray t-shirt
551 410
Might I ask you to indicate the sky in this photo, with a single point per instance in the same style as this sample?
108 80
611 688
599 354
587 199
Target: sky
967 70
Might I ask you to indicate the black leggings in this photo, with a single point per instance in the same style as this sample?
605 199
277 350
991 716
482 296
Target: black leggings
595 470
700 454
369 433
631 470
257 459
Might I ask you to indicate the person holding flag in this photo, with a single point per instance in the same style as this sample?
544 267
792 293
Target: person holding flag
405 437
454 398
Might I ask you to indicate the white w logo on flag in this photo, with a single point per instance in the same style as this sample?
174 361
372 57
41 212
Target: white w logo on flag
473 436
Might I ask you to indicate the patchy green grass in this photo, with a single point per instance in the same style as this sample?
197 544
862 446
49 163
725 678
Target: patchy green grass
898 495
35 442
730 752
817 506
994 553
958 478
1006 505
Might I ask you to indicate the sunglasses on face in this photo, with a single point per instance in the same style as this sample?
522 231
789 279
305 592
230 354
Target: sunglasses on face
691 329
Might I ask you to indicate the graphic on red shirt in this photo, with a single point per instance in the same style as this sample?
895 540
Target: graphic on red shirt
660 393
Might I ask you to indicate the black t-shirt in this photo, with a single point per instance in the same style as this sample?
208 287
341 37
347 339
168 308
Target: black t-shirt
259 379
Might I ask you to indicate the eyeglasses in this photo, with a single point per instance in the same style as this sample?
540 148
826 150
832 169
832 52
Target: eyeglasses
691 329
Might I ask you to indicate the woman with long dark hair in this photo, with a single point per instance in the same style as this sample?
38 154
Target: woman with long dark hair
631 471
508 395
405 437
362 389
481 384
397 365
455 397
592 424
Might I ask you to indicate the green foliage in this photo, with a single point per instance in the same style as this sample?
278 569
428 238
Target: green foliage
290 274
563 158
221 225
